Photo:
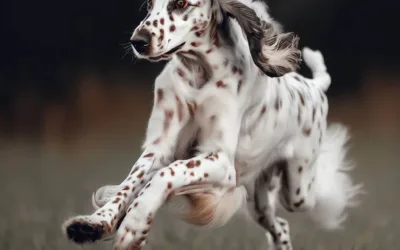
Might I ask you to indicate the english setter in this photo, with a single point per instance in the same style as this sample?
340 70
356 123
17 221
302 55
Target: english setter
232 123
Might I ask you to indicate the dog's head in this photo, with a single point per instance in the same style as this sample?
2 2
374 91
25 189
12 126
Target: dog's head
169 27
172 26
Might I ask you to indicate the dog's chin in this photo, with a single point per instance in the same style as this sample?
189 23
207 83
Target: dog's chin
161 56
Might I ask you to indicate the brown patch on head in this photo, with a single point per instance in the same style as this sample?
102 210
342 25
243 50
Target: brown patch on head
162 21
172 28
169 185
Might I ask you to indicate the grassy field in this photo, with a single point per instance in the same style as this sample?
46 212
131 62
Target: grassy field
43 185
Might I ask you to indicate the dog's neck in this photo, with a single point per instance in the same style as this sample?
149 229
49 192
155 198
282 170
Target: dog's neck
212 54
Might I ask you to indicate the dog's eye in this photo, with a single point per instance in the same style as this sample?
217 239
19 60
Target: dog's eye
181 4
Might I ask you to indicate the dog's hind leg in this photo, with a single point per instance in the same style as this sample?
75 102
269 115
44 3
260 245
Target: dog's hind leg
262 200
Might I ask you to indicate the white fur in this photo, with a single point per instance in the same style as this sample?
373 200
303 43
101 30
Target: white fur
335 189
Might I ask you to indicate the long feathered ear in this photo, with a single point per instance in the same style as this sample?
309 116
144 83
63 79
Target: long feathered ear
274 53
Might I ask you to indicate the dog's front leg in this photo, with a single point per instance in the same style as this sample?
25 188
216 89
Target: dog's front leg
170 113
218 118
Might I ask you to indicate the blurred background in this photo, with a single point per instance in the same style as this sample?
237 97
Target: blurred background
74 107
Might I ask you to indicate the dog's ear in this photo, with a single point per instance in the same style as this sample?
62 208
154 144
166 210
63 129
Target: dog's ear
274 53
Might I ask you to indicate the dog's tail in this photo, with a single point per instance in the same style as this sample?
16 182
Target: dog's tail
315 61
335 189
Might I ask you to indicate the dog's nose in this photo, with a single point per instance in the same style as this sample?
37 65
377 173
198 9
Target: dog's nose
141 42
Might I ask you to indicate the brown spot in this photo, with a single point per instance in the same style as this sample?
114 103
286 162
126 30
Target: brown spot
157 141
134 170
278 103
263 109
209 51
185 17
198 163
148 23
172 171
135 205
195 44
119 193
190 164
239 85
284 242
300 169
169 185
160 95
155 23
162 21
172 28
149 155
301 99
148 185
220 84
171 18
180 108
307 131
234 69
149 220
140 176
191 174
168 118
117 200
299 116
298 191
313 114
162 174
205 175
298 204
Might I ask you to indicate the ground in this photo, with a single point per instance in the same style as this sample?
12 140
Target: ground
43 185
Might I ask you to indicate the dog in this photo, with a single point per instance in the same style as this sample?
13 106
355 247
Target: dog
232 124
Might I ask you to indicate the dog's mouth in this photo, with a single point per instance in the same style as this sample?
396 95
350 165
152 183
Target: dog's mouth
167 54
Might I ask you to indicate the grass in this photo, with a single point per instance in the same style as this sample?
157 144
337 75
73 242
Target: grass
43 185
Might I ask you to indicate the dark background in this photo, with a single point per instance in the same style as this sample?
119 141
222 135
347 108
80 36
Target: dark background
73 111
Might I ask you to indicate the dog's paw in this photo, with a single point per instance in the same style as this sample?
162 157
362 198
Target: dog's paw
84 229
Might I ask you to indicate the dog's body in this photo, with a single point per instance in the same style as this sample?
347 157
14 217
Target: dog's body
224 127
